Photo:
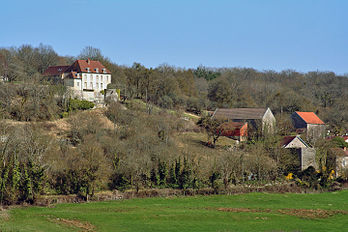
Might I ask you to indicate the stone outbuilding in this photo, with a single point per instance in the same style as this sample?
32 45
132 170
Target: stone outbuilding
300 148
310 124
340 157
260 120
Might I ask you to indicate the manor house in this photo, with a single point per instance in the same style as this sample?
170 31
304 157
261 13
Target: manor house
85 78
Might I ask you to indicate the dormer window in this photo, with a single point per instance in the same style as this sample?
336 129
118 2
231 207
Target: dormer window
96 70
104 70
88 70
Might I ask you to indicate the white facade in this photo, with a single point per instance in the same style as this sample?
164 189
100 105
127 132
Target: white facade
89 81
88 86
86 79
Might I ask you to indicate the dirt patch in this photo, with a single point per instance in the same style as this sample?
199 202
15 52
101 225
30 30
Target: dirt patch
4 216
244 210
302 213
311 213
83 226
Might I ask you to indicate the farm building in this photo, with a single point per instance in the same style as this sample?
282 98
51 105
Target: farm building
260 120
340 157
310 124
345 137
234 130
300 148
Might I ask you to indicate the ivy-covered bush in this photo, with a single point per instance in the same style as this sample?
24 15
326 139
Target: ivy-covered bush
76 104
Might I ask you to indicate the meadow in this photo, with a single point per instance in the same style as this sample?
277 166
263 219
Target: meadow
245 212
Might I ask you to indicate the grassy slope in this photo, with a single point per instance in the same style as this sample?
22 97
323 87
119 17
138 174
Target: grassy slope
186 214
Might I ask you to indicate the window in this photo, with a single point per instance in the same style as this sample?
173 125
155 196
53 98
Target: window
85 85
91 85
97 78
78 84
101 85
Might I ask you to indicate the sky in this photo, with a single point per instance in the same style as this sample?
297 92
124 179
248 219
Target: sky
303 35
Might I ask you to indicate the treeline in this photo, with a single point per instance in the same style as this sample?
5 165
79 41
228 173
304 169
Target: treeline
137 151
199 89
284 92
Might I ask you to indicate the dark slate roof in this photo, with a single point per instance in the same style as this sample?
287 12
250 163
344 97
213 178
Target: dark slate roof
239 113
288 139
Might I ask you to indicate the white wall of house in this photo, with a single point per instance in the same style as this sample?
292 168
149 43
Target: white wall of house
88 85
95 81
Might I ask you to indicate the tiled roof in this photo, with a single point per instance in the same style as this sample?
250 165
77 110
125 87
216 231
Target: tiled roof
234 129
232 125
83 65
240 113
55 70
339 151
79 66
345 137
310 118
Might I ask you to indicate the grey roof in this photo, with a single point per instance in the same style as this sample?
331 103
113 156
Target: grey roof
289 139
239 113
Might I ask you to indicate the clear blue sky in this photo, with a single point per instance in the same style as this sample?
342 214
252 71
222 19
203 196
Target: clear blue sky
303 35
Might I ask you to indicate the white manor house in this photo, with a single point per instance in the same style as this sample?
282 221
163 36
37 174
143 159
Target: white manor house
85 78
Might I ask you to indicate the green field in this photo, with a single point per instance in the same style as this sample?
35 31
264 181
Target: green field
245 212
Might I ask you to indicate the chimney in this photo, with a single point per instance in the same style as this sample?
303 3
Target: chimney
88 61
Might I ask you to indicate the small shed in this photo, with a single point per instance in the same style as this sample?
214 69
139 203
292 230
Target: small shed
300 148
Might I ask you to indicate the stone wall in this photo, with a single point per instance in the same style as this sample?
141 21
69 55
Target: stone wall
308 158
315 132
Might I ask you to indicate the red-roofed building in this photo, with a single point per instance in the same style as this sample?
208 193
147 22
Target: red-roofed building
310 118
235 130
345 137
55 71
309 123
86 78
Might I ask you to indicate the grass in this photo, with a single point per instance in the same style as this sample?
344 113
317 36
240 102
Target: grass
245 212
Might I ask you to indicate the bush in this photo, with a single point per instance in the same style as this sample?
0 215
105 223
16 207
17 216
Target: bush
76 104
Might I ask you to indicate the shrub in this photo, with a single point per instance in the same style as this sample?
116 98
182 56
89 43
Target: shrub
76 104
